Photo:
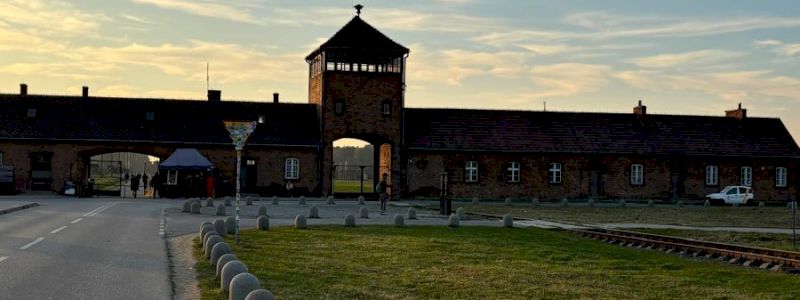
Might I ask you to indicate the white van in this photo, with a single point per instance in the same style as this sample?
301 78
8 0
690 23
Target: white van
742 195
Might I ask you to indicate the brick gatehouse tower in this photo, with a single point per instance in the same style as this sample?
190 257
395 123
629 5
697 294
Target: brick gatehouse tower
357 81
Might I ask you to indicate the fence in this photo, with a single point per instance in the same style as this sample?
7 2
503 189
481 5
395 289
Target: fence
352 179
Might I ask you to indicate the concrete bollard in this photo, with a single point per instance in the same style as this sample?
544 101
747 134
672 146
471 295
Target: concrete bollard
680 203
476 200
360 200
762 204
363 213
224 259
260 294
208 235
399 221
313 212
350 221
462 215
262 222
275 200
508 201
302 200
300 222
262 210
591 203
212 241
221 210
331 200
241 285
651 203
229 270
206 227
230 225
508 221
564 202
706 203
195 208
187 206
453 221
535 201
218 251
219 226
209 202
228 201
248 201
412 213
622 203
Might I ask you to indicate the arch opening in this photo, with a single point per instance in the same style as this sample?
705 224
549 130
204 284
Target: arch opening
353 168
124 174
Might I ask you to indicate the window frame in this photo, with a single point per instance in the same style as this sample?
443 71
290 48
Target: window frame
555 173
386 108
746 176
338 107
780 177
513 172
172 177
291 168
637 172
715 174
2 157
470 169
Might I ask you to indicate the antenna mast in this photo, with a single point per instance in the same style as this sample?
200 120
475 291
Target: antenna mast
207 80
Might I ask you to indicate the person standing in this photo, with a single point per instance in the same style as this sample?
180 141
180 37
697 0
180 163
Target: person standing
135 185
144 181
382 189
156 183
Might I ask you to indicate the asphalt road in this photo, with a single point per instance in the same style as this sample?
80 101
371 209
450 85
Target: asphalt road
72 248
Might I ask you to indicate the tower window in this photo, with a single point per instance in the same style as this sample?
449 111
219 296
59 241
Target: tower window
338 107
31 113
386 108
150 116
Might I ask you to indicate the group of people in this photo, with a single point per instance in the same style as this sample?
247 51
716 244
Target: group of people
155 182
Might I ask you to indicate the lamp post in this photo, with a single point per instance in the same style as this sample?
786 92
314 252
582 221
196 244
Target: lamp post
239 132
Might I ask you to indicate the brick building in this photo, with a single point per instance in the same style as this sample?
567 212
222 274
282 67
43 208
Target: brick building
356 90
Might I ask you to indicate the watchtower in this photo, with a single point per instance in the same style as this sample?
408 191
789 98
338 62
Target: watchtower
357 81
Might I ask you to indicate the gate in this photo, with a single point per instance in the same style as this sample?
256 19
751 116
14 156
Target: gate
107 176
352 179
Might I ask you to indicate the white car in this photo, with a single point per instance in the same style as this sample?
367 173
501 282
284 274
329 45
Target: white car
736 194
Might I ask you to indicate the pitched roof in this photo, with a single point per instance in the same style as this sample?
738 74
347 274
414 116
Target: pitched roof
175 121
358 36
609 133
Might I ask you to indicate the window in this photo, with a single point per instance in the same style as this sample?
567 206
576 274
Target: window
747 176
31 113
150 116
251 162
712 174
386 108
1 158
637 174
471 174
172 177
780 174
292 168
554 173
338 107
512 172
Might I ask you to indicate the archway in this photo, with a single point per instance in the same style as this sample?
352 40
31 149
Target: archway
117 173
353 167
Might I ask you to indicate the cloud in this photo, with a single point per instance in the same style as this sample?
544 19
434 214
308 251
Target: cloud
765 43
693 58
785 49
48 17
451 66
568 79
136 19
213 9
551 49
71 70
733 86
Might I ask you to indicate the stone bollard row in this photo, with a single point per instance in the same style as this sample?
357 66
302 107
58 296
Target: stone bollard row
210 202
262 222
195 207
331 200
508 201
399 221
453 221
313 212
350 221
221 210
363 213
187 206
462 215
210 243
508 221
219 226
262 210
360 200
242 285
412 213
302 200
230 225
300 222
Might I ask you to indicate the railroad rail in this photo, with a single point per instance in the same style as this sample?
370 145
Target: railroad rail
764 258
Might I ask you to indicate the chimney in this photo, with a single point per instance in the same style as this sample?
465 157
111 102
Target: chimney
738 113
641 110
85 92
23 89
214 95
275 97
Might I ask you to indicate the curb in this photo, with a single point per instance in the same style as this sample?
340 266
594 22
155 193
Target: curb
16 208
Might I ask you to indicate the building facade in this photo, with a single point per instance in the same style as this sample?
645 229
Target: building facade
356 90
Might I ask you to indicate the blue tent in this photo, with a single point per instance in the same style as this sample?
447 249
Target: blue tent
186 159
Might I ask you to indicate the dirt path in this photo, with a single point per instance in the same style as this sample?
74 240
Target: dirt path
182 262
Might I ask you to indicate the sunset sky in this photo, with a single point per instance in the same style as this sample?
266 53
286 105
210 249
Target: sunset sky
679 57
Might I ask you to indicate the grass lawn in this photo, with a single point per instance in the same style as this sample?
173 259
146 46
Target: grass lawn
352 186
764 240
776 217
378 262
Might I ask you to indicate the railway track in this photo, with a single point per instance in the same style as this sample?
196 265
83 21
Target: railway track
764 258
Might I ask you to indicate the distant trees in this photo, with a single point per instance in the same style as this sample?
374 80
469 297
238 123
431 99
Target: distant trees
353 156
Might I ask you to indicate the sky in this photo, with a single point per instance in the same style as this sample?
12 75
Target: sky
678 57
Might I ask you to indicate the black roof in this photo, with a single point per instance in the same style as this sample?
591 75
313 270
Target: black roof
73 118
601 133
358 36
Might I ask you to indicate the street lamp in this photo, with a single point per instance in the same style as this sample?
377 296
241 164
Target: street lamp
239 132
